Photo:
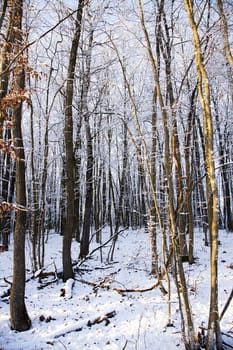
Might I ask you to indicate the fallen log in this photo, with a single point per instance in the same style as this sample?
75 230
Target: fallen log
79 327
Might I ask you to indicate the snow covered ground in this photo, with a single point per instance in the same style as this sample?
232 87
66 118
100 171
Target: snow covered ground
137 321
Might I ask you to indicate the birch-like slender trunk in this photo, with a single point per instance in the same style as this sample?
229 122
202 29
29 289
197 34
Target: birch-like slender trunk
213 333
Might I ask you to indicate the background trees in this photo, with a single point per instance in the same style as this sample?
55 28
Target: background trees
128 89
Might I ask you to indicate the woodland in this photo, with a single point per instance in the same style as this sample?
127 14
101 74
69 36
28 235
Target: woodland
117 114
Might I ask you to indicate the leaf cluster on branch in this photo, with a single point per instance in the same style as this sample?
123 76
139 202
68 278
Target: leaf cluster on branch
4 206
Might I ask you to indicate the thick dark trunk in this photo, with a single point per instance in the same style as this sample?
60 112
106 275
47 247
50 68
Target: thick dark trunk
20 320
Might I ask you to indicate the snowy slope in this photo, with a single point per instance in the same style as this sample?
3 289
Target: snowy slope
136 321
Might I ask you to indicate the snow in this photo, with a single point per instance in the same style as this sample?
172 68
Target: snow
67 289
138 320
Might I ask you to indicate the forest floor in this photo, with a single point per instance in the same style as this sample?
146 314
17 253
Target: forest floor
93 315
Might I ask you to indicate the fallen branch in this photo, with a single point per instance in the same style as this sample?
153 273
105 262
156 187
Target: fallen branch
157 284
46 284
7 292
42 274
104 283
102 319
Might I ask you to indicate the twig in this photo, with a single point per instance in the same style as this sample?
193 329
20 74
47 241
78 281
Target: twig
226 305
227 334
63 344
55 269
124 347
228 345
8 282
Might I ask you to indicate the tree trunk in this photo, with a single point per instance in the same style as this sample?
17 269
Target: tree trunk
189 179
77 171
153 235
84 246
222 149
213 334
69 163
20 320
